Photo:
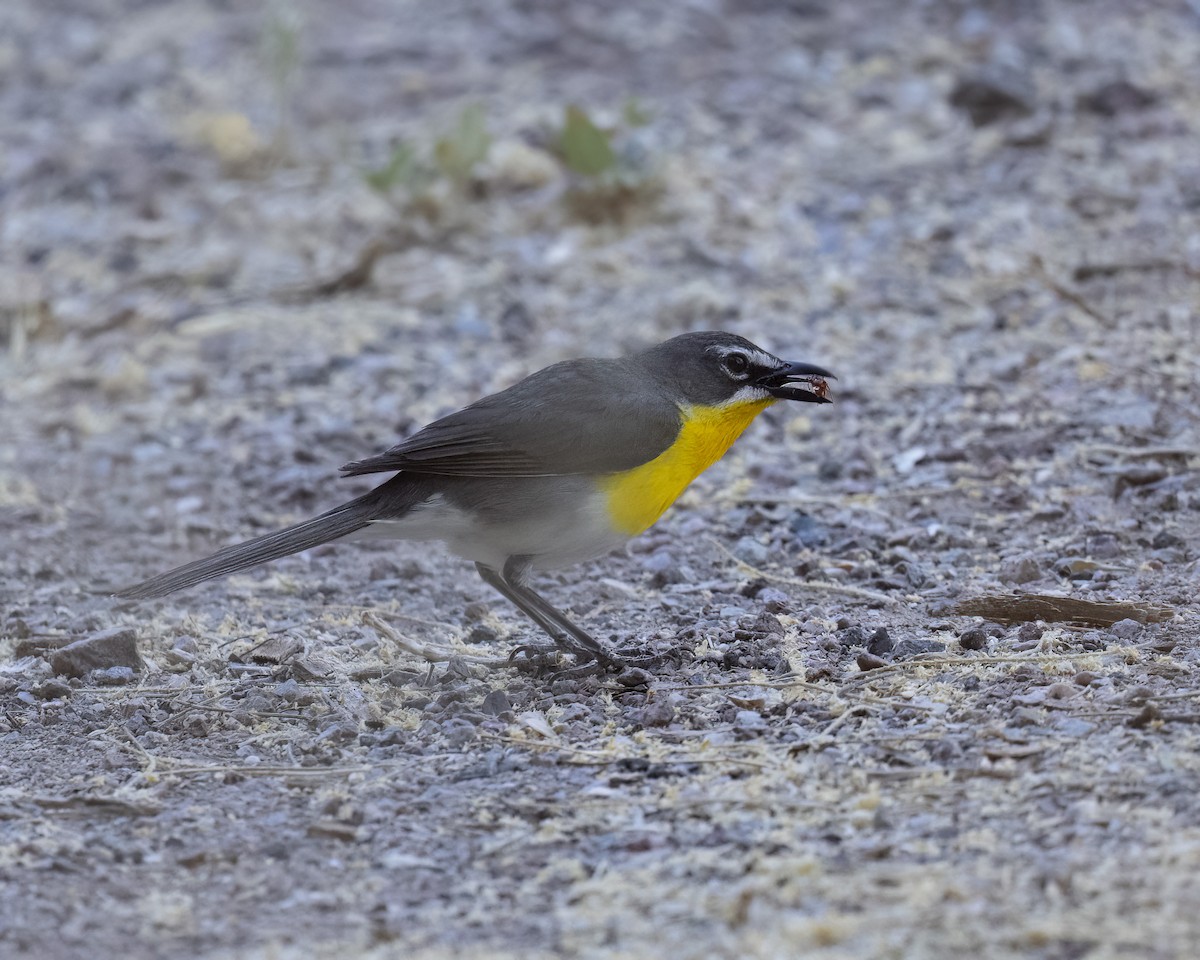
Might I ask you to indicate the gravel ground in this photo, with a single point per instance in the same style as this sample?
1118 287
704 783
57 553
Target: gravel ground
985 218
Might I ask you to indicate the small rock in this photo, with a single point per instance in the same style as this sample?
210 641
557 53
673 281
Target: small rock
522 166
38 646
911 648
975 638
113 676
52 689
764 624
663 568
809 531
750 551
459 730
1127 629
868 661
475 610
853 635
881 643
1116 96
1074 727
993 94
1105 546
1031 632
496 703
1165 539
383 568
634 677
116 647
775 601
482 633
749 720
1149 713
659 712
1020 570
1030 131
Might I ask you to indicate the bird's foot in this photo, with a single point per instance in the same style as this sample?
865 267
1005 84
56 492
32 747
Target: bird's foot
546 660
536 659
645 656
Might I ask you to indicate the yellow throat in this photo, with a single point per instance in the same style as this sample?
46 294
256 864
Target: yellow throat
639 496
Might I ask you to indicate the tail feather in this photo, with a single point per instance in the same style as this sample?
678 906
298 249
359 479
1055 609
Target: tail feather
338 522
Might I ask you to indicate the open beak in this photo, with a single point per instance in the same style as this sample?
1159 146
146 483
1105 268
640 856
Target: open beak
779 383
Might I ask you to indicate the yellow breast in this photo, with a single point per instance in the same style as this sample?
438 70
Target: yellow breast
639 496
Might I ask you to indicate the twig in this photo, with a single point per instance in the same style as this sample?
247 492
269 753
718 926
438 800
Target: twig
1065 292
425 651
591 758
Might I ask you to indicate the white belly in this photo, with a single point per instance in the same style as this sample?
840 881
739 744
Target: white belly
557 535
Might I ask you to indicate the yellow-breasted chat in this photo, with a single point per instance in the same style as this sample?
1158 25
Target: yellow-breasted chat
564 466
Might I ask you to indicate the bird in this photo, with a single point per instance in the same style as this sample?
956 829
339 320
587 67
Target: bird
564 466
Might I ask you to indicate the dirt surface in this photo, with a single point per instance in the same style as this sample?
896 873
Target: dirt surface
985 218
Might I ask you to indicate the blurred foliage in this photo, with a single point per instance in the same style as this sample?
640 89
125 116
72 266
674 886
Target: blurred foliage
635 115
462 150
281 54
607 169
403 171
584 147
614 171
424 179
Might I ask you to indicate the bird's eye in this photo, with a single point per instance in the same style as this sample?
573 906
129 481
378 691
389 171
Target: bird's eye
737 365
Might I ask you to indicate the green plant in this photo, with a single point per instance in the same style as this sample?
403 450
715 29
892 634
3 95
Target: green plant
615 173
412 175
462 150
584 147
280 44
402 171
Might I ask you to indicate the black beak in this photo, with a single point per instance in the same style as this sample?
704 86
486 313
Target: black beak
778 382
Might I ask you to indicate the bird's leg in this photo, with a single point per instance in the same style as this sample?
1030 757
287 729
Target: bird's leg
557 626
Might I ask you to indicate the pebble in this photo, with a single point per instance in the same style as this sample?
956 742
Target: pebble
52 689
1020 570
634 677
993 94
1114 97
496 703
975 638
663 568
750 551
1073 727
116 647
911 648
749 720
868 661
773 600
1127 629
809 531
657 713
113 676
880 643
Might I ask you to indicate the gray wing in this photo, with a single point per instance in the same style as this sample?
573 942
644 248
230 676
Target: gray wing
575 417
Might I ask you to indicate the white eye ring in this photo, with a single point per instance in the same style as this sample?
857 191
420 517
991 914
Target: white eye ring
737 365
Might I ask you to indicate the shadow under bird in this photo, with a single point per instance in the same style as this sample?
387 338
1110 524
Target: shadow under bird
564 466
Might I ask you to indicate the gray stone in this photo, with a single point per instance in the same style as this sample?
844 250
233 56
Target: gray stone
116 647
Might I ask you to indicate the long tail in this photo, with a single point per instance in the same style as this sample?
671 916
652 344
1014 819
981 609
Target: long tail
338 522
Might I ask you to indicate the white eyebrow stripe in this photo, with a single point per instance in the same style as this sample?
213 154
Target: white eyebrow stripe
757 357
